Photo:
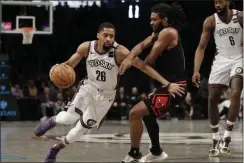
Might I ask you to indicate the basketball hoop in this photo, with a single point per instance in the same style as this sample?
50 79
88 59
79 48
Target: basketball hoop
28 33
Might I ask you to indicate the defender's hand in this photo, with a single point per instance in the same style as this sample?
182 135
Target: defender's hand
178 89
196 79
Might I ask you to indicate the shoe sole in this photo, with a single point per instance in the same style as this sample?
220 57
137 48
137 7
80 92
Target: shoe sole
131 161
159 159
214 155
225 154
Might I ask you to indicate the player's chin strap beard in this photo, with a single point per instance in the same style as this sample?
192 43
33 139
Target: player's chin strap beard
107 48
223 12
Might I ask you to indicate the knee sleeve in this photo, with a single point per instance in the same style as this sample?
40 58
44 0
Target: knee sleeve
88 120
66 118
76 133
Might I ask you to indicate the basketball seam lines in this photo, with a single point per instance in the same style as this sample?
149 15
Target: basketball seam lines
59 77
67 74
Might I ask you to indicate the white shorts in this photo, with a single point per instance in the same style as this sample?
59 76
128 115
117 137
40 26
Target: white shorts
224 69
92 103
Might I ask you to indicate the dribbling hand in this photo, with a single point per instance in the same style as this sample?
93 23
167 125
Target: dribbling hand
196 79
178 89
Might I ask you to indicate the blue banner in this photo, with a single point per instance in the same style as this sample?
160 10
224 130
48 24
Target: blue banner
9 109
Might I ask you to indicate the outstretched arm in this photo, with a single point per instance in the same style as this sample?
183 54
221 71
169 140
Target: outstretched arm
122 52
138 49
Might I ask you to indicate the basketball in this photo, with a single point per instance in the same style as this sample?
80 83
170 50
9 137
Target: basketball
62 75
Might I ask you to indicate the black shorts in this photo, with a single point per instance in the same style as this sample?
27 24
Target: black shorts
160 101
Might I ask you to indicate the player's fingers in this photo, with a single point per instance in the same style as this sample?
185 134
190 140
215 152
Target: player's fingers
198 79
182 85
122 69
197 85
195 82
181 91
173 95
182 88
178 93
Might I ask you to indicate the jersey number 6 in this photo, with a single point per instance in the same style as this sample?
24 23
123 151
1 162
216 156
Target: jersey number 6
232 41
101 75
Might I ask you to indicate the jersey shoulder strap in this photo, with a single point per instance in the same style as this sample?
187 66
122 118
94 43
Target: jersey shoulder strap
235 16
217 20
111 52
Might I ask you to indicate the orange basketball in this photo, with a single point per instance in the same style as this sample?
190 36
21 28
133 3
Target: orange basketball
62 75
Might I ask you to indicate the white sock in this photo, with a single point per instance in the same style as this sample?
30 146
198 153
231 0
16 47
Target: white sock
227 134
216 135
230 123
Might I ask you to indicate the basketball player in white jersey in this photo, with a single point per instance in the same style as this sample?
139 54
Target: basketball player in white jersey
226 26
96 93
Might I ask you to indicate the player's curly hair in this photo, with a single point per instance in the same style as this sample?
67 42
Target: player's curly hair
174 13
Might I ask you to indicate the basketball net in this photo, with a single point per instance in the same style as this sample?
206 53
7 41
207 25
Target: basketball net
28 33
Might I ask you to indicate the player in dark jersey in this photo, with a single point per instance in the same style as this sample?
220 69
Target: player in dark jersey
168 57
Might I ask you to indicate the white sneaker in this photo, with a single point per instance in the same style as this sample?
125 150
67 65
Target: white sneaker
129 158
225 149
214 150
151 158
44 118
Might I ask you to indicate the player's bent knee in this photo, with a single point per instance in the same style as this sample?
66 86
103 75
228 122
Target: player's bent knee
88 123
138 111
133 114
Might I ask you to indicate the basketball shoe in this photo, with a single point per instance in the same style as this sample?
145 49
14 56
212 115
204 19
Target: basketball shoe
225 149
43 127
214 150
152 158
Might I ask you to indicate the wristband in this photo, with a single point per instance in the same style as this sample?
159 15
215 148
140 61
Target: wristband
167 86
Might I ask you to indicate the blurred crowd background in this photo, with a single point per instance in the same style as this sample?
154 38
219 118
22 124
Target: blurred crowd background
30 64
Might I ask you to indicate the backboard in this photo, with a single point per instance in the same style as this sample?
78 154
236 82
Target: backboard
36 14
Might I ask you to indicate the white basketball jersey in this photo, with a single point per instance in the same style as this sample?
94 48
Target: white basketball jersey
102 70
228 37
